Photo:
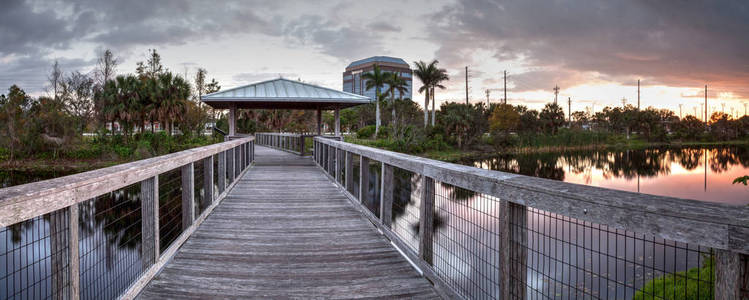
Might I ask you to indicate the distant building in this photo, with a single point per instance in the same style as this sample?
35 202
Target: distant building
353 83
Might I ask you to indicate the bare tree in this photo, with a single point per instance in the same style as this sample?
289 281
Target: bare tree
106 67
200 83
56 80
79 97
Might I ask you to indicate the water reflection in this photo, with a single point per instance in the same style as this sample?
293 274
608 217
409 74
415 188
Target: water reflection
689 172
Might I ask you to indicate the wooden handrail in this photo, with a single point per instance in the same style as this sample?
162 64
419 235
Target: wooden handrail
716 225
23 202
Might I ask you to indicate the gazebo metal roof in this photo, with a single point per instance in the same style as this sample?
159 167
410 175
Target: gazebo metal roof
283 93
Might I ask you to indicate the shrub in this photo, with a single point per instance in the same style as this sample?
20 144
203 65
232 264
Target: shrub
365 132
681 285
384 132
122 151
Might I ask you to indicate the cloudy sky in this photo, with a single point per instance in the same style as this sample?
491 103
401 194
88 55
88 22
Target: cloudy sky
594 50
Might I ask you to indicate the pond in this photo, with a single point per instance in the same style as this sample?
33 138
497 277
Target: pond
565 258
698 173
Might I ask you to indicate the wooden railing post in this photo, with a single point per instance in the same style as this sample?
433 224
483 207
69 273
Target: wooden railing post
188 195
237 162
230 165
221 171
349 172
149 209
325 150
302 150
513 252
59 240
363 178
207 181
331 159
338 165
386 196
75 266
426 220
730 273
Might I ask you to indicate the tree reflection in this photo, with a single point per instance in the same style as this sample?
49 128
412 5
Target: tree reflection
627 164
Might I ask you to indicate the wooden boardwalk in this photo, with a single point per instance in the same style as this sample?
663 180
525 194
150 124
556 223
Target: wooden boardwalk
286 231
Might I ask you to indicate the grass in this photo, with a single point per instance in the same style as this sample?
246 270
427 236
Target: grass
680 285
88 154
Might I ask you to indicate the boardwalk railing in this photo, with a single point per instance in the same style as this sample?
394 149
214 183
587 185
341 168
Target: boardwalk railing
297 143
486 234
290 142
103 234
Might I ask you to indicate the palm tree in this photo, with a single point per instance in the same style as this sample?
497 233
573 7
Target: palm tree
424 73
376 80
395 83
430 77
440 75
121 101
174 91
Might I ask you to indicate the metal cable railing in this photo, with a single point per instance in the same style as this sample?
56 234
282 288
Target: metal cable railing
94 235
481 234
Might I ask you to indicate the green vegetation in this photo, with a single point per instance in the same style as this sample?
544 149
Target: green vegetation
681 285
474 129
118 113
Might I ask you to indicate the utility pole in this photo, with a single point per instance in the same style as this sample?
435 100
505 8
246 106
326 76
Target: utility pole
487 98
505 102
706 106
744 108
556 93
679 111
569 111
638 94
624 102
695 111
466 84
723 108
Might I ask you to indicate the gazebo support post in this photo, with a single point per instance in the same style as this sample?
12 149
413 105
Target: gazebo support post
232 119
337 121
319 121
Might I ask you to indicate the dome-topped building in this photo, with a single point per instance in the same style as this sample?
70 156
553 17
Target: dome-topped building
353 83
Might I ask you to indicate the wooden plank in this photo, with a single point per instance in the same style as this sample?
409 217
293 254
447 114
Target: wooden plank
730 275
188 195
386 196
230 165
149 274
22 202
363 179
338 164
285 231
518 250
349 172
221 172
207 181
75 266
148 224
426 221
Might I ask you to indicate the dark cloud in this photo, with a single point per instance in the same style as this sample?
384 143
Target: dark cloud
383 26
345 42
24 29
682 43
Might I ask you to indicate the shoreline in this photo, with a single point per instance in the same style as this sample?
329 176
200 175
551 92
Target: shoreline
456 154
82 165
71 166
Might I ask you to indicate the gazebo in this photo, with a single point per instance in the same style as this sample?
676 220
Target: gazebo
283 93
